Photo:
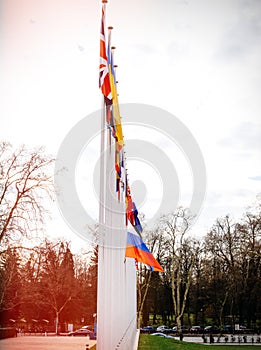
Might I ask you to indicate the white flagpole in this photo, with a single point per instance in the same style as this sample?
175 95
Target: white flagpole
102 166
116 299
101 239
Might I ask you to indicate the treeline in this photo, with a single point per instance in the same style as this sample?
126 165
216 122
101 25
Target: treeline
212 280
45 288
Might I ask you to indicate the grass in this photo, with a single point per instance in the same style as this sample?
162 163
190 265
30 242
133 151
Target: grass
155 343
147 342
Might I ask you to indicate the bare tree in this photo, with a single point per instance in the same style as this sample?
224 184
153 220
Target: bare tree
224 245
57 277
25 183
155 244
181 255
249 230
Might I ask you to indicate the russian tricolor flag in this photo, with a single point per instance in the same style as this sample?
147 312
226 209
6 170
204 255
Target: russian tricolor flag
138 250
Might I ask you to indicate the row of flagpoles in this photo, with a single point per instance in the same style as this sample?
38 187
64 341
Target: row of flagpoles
116 306
108 86
116 301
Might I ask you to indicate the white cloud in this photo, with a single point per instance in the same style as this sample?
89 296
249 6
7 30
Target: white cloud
245 137
255 178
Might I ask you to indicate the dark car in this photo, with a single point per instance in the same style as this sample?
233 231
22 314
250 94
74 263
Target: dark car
183 329
227 329
211 329
196 329
242 329
82 332
148 330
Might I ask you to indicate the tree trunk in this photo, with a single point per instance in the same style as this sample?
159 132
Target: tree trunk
57 323
221 311
178 320
142 299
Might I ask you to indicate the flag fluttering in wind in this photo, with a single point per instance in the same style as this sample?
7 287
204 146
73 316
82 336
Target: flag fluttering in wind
138 250
115 103
108 86
116 283
132 212
104 78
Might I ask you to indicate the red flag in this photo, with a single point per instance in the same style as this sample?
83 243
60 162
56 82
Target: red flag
104 79
132 212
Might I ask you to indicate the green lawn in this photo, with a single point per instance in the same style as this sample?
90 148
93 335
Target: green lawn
147 342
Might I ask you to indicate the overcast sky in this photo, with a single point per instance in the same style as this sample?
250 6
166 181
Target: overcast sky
200 60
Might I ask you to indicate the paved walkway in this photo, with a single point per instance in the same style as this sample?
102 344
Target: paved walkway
45 343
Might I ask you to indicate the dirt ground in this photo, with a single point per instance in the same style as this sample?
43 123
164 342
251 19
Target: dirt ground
45 343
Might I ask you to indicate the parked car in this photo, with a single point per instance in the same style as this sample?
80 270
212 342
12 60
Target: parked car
160 334
82 332
148 330
211 329
164 329
87 327
196 329
227 329
243 329
183 329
